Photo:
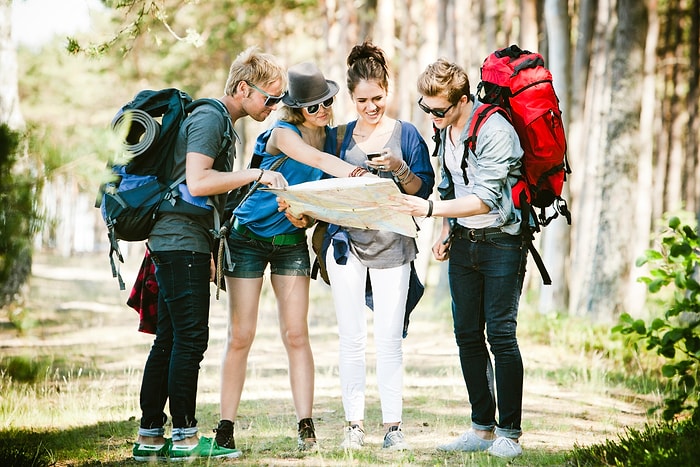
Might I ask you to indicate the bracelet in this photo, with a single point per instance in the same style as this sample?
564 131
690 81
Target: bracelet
430 208
358 172
262 171
402 170
407 178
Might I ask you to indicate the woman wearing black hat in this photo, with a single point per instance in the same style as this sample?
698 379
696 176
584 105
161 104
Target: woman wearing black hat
262 236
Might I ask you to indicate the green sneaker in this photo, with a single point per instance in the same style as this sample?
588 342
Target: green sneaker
152 452
206 447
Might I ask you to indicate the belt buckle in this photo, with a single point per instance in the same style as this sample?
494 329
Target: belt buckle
471 235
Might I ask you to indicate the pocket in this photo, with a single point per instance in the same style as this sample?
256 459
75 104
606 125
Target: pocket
507 243
165 275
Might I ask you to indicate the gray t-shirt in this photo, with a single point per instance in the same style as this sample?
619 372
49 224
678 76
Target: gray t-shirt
203 132
379 249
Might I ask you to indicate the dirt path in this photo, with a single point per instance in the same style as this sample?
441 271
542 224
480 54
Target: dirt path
82 308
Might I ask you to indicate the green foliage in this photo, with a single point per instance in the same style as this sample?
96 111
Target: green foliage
217 27
675 336
69 99
19 218
24 369
669 443
22 450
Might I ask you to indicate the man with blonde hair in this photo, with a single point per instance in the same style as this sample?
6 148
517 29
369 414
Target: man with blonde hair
180 246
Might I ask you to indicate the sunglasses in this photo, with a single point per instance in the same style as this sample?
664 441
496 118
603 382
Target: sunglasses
270 100
312 109
439 113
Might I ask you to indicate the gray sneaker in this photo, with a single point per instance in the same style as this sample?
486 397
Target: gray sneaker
468 442
505 447
394 440
354 437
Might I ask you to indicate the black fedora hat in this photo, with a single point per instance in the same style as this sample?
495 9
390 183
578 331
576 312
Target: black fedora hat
308 86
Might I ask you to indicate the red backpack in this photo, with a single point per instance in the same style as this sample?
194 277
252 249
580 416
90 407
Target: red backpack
515 83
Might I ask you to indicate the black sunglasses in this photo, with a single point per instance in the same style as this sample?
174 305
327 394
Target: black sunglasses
312 109
270 100
439 113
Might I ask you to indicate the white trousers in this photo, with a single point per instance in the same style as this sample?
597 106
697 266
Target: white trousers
389 291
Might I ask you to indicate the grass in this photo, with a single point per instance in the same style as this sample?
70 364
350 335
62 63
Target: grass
70 384
667 443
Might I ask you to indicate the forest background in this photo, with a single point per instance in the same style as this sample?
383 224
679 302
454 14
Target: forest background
626 72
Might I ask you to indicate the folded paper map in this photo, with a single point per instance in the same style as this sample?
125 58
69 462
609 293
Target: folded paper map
361 202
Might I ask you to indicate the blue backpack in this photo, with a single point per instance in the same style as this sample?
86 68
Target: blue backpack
140 186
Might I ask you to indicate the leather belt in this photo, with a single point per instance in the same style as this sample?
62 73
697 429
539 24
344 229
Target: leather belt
476 235
279 240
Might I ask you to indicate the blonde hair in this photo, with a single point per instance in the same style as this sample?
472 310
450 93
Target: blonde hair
254 67
292 115
295 115
443 78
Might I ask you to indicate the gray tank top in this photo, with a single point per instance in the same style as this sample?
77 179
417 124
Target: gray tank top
379 249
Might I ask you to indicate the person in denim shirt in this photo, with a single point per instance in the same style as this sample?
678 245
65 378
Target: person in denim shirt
481 239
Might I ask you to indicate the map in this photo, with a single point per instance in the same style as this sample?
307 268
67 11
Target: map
361 202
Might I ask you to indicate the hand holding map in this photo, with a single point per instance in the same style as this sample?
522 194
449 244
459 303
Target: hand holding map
360 202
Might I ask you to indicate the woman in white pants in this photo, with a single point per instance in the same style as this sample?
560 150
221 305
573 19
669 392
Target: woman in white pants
394 150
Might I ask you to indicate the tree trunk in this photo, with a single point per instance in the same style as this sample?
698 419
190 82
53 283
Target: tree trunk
555 239
528 25
693 147
643 213
491 30
446 29
604 255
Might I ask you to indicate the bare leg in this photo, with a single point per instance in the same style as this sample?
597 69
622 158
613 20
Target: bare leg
292 294
244 298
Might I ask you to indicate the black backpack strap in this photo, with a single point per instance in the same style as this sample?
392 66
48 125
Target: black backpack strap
230 132
528 233
437 140
114 250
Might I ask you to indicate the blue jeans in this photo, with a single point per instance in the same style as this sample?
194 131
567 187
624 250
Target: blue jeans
250 257
486 278
182 335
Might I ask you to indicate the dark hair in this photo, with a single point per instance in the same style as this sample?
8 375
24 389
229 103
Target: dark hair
367 62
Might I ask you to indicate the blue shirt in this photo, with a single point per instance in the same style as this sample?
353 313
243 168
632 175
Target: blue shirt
259 212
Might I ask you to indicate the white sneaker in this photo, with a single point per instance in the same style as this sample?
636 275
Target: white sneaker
354 437
468 442
394 440
505 447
